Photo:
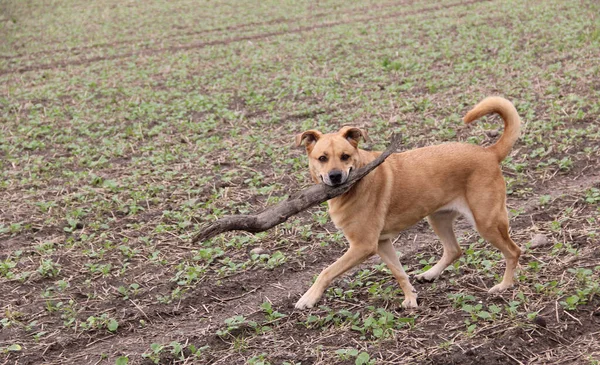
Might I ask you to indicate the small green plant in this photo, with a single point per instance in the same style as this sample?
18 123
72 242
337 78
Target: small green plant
535 266
11 348
101 322
276 259
361 358
571 302
270 313
155 352
476 311
197 351
340 293
188 274
391 65
235 324
127 252
587 287
460 299
592 196
427 264
382 324
102 269
48 268
258 360
128 291
208 254
6 267
177 350
346 354
545 199
45 248
38 335
512 308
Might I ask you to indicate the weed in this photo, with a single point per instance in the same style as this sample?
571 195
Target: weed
15 347
258 360
155 353
361 358
100 322
48 268
234 324
587 287
270 313
131 290
6 267
592 196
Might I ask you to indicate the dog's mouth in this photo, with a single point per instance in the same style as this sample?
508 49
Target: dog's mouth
333 180
325 180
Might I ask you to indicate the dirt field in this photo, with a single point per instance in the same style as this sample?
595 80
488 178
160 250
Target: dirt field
124 125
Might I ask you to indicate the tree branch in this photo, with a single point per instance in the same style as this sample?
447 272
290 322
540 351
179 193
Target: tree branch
303 200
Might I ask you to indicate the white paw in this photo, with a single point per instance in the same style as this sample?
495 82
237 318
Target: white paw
427 276
308 300
410 302
499 288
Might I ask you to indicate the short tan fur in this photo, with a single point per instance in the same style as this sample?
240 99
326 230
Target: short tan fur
437 182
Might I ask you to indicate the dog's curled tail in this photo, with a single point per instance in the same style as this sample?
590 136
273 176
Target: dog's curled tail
512 123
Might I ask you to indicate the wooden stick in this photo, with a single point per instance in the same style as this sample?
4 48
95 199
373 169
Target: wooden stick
303 200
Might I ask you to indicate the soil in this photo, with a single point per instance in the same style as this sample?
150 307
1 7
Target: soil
553 335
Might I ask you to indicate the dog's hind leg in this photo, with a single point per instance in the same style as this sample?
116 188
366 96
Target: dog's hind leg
386 251
442 223
497 234
491 220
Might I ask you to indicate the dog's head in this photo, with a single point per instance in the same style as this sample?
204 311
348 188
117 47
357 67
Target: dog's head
332 156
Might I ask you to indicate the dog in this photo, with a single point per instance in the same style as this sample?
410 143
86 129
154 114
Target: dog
439 182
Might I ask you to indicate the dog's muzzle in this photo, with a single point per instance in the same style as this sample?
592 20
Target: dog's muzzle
335 177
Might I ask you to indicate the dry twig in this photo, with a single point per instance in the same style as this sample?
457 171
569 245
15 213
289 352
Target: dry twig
303 200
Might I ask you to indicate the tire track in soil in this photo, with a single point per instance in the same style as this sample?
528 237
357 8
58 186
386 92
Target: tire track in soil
199 45
275 21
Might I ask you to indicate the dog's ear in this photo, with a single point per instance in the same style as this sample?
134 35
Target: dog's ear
353 135
311 137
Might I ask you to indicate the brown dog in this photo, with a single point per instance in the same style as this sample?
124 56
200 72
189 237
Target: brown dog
438 182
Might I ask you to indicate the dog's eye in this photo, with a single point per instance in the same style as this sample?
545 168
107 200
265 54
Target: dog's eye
345 157
323 158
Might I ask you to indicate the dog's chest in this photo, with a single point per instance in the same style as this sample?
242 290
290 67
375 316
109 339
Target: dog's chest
350 216
337 219
339 214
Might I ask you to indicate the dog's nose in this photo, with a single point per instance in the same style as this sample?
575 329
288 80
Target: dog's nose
335 177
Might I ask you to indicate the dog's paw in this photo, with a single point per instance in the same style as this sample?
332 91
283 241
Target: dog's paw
426 277
499 288
303 304
410 302
308 300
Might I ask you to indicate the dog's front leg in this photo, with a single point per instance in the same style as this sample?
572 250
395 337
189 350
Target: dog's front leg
386 251
357 253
